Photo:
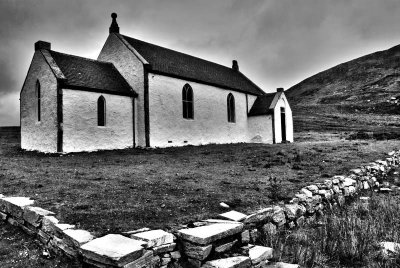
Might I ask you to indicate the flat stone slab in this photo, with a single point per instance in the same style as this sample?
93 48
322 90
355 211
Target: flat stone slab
77 237
154 238
258 254
164 248
204 235
196 251
34 215
15 205
113 249
233 215
260 216
232 262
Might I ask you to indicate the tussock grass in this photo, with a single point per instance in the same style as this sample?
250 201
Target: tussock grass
344 238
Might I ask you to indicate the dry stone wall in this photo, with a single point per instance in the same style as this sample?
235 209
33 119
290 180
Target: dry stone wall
229 241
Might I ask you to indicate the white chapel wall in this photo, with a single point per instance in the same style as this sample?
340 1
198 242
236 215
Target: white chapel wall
282 102
81 132
131 68
210 123
35 135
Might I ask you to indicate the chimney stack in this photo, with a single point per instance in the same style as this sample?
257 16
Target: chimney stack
235 65
42 45
114 28
279 89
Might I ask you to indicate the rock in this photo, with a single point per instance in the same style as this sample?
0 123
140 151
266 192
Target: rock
221 248
232 262
282 265
292 211
143 261
113 249
312 188
196 251
194 263
365 185
389 249
301 197
60 244
14 205
224 205
356 171
269 229
3 216
349 182
43 237
258 254
307 192
164 261
175 255
141 230
245 237
328 183
154 238
278 217
77 237
260 216
164 248
384 190
204 235
34 215
233 215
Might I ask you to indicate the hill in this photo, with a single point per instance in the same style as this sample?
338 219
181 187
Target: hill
360 94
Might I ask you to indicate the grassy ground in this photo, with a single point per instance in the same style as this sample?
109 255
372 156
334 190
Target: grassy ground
114 191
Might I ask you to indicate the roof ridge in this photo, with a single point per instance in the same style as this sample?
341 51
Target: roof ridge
80 57
186 54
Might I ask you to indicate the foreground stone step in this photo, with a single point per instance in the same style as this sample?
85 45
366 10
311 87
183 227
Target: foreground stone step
154 238
113 249
232 262
204 235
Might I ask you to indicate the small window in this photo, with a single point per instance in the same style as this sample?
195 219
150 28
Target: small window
38 100
101 111
187 102
231 108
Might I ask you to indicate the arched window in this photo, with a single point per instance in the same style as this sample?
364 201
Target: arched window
38 102
187 102
101 111
231 108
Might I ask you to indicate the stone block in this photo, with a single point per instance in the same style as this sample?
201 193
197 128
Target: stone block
260 216
196 251
48 224
144 261
176 255
205 235
63 246
258 254
306 192
278 217
301 197
328 183
113 249
312 188
233 216
232 262
293 211
43 237
14 205
224 247
34 215
77 237
154 238
164 248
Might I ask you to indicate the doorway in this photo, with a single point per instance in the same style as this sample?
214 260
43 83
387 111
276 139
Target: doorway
283 124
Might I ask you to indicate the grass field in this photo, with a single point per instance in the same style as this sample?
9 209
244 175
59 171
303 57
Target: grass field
116 191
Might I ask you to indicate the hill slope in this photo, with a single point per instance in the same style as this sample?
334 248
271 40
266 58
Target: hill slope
351 96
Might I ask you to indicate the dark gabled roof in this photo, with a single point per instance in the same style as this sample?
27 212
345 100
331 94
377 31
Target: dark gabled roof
262 105
88 74
177 64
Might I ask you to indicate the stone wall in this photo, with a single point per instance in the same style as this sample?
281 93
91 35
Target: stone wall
230 240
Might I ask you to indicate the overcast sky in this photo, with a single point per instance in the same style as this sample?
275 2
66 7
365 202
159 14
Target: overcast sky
277 43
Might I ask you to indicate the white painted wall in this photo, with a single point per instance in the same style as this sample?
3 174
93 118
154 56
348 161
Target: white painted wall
282 102
81 132
210 123
39 136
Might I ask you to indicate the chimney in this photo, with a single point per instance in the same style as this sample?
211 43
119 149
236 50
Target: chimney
279 89
114 28
42 45
235 65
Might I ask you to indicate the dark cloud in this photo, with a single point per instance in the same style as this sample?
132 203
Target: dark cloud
277 42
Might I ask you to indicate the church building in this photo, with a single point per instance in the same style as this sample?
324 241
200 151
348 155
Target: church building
138 94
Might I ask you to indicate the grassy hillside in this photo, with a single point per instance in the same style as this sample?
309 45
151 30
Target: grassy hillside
351 96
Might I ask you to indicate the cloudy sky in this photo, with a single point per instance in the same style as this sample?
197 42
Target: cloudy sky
277 43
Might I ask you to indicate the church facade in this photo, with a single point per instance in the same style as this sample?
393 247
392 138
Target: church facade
138 94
